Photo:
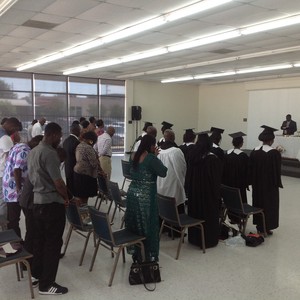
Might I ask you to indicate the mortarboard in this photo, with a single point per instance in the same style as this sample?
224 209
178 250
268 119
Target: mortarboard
268 128
148 124
237 134
189 131
166 125
215 129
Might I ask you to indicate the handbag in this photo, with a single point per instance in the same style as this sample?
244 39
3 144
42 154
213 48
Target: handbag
253 240
144 272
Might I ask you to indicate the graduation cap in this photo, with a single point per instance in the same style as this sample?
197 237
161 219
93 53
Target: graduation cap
237 134
189 131
267 134
147 124
268 128
166 125
218 130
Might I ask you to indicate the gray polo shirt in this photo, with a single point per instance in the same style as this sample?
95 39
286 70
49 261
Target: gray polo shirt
43 170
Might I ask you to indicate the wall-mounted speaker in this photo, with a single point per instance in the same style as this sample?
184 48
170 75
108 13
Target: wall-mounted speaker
136 113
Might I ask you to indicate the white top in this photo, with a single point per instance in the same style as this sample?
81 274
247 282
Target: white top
6 144
103 145
37 129
137 144
173 184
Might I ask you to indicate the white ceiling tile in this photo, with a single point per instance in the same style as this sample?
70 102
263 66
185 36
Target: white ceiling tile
27 32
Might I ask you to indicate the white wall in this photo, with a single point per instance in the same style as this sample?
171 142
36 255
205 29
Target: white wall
174 103
201 107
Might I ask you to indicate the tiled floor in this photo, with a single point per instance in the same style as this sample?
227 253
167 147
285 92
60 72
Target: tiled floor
270 271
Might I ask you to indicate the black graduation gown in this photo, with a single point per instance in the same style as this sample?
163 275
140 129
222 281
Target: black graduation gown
265 170
218 151
186 149
235 172
204 175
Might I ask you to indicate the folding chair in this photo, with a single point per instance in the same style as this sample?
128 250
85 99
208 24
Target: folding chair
126 173
234 206
103 193
116 197
118 239
22 256
75 216
175 221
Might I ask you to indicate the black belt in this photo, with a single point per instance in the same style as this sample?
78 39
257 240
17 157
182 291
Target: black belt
107 155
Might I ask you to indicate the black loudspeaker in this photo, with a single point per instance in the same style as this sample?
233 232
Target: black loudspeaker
136 113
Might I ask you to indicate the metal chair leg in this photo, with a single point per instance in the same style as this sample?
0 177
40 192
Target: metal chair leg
94 255
180 242
115 266
84 248
68 239
26 263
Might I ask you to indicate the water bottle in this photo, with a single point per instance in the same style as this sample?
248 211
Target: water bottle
236 240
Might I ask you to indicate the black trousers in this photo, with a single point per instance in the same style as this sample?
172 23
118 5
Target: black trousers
30 228
49 222
13 217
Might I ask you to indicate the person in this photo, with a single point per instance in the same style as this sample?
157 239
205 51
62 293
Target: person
172 157
216 138
288 126
99 127
50 198
104 150
265 177
29 129
86 169
151 130
70 144
14 175
235 173
26 202
141 216
84 127
165 125
37 128
9 126
144 132
204 174
92 124
187 146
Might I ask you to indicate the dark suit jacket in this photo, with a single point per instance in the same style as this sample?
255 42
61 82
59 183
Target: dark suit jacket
70 144
292 127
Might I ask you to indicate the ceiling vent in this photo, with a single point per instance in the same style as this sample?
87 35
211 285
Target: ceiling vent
39 24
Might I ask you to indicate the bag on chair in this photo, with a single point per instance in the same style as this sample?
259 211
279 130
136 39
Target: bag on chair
144 272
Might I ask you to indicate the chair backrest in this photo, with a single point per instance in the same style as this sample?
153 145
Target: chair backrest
126 169
73 215
103 185
115 192
168 209
231 197
101 225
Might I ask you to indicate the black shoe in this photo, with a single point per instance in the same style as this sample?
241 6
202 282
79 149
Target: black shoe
35 282
61 255
54 289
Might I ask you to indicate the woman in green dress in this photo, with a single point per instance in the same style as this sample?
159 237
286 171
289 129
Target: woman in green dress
142 209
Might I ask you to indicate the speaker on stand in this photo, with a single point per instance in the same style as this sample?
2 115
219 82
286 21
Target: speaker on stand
136 115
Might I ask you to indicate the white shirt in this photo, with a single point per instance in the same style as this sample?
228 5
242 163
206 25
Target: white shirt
37 129
173 184
137 144
103 145
6 144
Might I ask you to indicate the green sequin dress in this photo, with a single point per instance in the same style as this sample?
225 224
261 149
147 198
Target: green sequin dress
142 210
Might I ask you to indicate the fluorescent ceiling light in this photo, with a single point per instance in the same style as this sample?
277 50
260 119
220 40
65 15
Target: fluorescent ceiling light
142 55
193 9
179 13
213 75
229 73
264 69
270 25
177 79
5 5
205 40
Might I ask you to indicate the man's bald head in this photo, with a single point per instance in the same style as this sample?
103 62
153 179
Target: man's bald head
151 130
169 135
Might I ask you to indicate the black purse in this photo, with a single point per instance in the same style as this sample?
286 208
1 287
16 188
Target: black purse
143 273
